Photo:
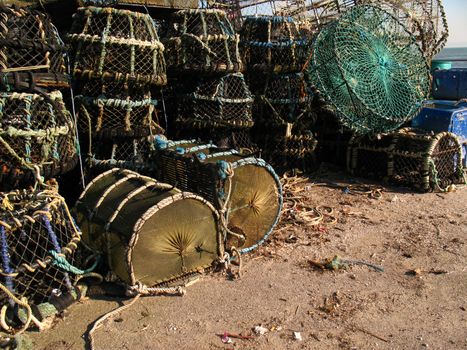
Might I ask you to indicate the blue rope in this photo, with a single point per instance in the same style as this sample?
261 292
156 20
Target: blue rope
58 249
160 143
62 263
201 156
222 167
6 259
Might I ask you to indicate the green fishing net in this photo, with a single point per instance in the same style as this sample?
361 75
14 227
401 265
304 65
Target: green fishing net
370 68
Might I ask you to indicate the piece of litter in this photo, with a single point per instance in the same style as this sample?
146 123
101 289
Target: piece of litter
260 330
297 336
226 339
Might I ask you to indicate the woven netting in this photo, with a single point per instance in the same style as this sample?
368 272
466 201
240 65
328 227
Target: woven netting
128 153
36 229
369 156
218 102
410 157
239 140
237 10
245 188
288 150
202 41
150 232
370 70
36 130
280 99
118 45
130 114
425 19
273 44
29 42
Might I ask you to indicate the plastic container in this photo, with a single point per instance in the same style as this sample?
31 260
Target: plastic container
438 116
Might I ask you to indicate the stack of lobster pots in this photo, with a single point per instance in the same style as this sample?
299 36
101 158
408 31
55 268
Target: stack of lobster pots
275 54
212 99
116 58
38 237
37 133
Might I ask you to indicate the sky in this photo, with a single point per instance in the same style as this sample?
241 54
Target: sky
456 13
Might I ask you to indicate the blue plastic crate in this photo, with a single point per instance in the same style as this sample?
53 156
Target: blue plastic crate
441 116
449 84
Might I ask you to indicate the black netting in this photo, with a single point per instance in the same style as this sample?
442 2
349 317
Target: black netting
129 153
286 148
218 102
240 140
29 42
281 99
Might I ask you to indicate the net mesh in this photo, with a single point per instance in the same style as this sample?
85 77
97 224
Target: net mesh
425 19
280 99
33 224
29 42
287 148
273 44
128 153
224 102
409 157
130 114
202 40
35 130
241 140
370 69
116 45
237 10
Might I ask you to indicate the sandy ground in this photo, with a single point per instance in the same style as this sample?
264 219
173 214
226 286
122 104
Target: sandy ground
418 302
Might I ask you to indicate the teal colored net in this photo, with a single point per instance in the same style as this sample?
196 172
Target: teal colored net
370 68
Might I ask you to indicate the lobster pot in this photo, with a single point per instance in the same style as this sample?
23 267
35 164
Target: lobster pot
370 156
289 151
129 153
424 161
31 51
281 98
240 140
224 102
409 157
36 130
112 117
273 44
251 197
36 230
369 67
150 232
202 41
116 45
